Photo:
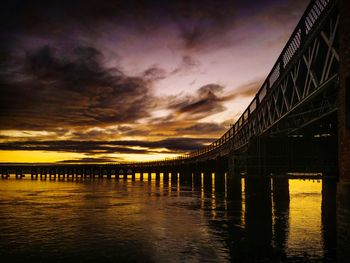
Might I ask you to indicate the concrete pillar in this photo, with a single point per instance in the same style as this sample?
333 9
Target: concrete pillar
207 182
166 176
258 216
280 193
233 194
233 165
343 188
329 217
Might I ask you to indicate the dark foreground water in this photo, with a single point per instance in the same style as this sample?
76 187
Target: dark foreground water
248 220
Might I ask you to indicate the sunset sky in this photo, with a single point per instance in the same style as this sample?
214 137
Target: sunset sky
113 81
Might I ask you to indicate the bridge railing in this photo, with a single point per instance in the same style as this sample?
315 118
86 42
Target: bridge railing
315 10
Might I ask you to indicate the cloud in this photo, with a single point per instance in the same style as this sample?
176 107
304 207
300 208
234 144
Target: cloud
49 88
199 25
107 147
207 101
91 147
248 89
60 70
187 64
205 24
154 73
203 128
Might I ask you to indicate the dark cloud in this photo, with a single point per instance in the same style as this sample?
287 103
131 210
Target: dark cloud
203 128
187 64
107 133
90 147
98 147
199 24
154 73
49 88
206 102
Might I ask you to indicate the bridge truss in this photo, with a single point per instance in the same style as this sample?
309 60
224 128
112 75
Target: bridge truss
300 89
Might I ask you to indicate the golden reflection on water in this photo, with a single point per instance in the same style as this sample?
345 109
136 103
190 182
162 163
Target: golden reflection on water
213 196
243 202
169 186
304 216
133 203
202 191
225 196
192 182
178 184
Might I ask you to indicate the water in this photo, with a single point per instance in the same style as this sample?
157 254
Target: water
248 220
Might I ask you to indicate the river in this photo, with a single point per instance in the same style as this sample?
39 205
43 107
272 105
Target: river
241 220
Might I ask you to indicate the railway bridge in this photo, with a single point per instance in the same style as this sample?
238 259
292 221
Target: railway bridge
292 123
298 121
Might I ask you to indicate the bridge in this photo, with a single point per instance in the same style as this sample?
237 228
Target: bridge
291 125
298 122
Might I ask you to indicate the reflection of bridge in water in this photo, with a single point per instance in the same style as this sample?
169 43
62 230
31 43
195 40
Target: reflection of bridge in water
249 215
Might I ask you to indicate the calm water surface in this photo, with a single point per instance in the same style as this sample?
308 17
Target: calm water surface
248 220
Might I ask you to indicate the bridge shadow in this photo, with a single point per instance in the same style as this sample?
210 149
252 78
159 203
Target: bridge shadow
253 217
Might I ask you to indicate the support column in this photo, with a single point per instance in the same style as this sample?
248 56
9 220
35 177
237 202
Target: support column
281 200
166 176
343 189
258 216
329 217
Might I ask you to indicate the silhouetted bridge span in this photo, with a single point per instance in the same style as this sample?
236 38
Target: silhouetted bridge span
291 124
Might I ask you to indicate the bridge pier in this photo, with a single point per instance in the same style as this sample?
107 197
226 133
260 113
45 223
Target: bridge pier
43 175
19 174
166 176
197 178
328 216
281 201
34 174
258 205
343 187
233 163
